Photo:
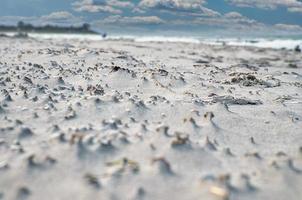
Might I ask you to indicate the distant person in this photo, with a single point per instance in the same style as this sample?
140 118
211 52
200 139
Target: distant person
104 35
298 49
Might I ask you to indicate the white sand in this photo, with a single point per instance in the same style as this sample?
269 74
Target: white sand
125 120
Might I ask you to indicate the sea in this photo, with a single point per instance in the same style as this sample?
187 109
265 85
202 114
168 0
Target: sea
275 42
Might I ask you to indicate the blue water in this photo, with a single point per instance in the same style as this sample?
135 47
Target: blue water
277 42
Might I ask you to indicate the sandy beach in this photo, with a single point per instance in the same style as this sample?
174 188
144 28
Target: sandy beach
125 120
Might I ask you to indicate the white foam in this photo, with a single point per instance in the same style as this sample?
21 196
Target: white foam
258 42
66 36
167 39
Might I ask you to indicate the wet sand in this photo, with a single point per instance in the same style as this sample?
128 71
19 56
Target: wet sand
126 120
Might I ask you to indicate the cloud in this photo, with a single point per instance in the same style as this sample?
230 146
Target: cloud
190 7
295 9
136 20
107 6
121 3
232 20
233 15
61 15
173 4
288 27
292 5
55 18
92 7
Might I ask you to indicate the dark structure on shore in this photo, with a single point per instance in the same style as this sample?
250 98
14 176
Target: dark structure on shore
29 28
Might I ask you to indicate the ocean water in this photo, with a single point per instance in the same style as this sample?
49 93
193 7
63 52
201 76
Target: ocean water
271 42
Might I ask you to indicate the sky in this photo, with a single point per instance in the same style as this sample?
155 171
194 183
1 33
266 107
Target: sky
175 16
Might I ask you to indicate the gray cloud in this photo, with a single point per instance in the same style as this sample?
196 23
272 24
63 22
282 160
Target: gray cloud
189 7
292 5
61 15
121 3
108 6
233 15
232 20
136 20
288 27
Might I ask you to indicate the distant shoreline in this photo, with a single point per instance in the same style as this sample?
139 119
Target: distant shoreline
45 32
21 27
274 43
